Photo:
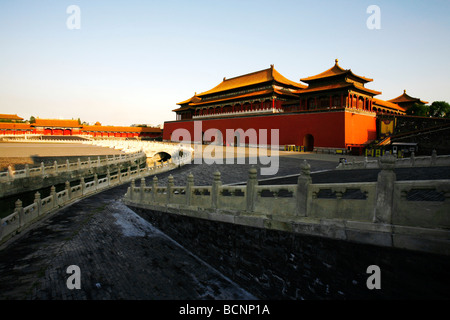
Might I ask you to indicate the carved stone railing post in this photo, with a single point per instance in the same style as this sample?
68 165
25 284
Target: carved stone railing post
433 157
251 191
42 169
10 174
169 189
19 210
154 188
119 173
53 195
215 189
27 170
132 190
141 189
38 201
189 186
83 186
412 158
385 190
68 189
303 182
95 181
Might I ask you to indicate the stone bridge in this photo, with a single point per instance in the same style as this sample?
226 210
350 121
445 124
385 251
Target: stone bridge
24 216
309 240
14 182
155 151
423 161
136 154
386 213
82 178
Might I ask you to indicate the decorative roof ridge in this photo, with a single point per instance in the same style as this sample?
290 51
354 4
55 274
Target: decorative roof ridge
335 71
10 116
361 87
191 99
55 122
249 79
406 98
248 74
277 76
387 103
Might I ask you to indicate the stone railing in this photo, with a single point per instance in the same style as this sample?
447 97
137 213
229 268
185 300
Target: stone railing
413 161
178 152
35 138
386 212
23 217
55 169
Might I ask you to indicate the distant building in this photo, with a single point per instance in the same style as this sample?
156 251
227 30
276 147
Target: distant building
57 127
125 132
10 118
406 101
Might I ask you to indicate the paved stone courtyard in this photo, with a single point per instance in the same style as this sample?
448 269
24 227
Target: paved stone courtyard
120 255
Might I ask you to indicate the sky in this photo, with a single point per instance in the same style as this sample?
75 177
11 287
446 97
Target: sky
130 62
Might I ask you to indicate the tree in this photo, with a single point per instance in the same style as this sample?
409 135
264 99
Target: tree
418 109
440 109
32 119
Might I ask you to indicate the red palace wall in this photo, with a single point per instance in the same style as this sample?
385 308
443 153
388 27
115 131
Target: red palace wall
329 129
24 128
359 128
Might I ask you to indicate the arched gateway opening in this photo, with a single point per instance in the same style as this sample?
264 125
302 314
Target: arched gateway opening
161 156
308 142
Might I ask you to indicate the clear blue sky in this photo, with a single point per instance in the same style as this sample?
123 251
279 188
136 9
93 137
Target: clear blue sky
132 61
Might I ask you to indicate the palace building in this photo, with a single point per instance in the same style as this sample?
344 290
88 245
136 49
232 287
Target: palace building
406 101
333 109
10 118
57 127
